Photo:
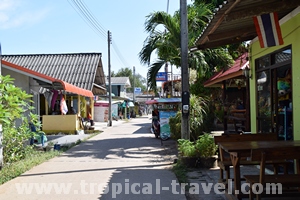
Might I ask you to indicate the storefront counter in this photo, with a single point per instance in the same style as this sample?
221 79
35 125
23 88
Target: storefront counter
61 123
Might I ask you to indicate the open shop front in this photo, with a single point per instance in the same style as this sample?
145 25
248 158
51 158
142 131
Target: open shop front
60 105
66 108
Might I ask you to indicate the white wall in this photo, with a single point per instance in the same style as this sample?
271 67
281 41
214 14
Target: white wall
20 81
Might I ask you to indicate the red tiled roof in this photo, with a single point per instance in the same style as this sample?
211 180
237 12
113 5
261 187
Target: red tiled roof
233 72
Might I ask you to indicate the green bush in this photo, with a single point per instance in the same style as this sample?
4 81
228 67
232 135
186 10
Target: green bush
205 146
208 122
14 112
175 126
187 148
201 119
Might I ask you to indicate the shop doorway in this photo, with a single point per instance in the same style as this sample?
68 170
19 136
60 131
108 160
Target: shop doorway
274 94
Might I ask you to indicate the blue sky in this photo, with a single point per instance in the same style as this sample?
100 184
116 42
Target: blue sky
54 26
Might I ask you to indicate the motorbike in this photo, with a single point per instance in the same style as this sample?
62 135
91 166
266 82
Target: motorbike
155 129
140 112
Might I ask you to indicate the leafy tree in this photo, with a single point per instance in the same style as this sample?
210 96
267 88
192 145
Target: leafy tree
166 43
14 107
213 2
139 80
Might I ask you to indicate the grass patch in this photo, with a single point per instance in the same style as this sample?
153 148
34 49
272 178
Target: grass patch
181 172
33 158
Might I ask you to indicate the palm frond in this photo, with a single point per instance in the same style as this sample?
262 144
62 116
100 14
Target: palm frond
150 45
152 72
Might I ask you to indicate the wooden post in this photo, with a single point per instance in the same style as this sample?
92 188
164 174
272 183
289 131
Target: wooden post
247 125
78 105
92 107
225 121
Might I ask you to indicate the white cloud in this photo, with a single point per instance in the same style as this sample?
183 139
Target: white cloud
6 5
13 15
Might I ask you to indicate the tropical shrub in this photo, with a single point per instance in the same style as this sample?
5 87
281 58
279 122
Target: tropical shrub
175 126
205 146
201 119
187 148
14 107
198 111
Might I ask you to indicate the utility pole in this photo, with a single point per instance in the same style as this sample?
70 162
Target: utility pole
133 84
168 6
109 80
185 127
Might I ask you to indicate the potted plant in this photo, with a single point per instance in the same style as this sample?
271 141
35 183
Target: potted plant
206 150
187 152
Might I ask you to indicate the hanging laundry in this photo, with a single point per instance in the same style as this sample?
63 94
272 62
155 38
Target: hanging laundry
63 106
48 96
54 97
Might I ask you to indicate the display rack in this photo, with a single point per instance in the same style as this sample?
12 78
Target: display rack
286 123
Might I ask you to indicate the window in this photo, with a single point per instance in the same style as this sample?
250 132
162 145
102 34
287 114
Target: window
263 62
273 87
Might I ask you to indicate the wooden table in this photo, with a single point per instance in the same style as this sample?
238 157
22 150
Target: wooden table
238 150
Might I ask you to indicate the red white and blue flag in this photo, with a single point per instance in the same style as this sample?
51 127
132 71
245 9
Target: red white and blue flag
268 30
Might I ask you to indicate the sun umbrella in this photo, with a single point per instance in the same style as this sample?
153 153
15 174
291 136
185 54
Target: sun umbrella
152 101
130 104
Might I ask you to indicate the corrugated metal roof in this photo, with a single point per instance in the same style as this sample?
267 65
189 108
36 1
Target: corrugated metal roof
232 21
79 69
119 81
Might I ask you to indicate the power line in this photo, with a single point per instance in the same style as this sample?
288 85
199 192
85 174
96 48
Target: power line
84 12
91 17
121 58
79 12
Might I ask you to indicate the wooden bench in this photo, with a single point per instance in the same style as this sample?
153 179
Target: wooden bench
265 155
224 161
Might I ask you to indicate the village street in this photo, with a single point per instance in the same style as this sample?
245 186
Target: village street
126 161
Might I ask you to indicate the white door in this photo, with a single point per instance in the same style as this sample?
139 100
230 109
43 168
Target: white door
36 103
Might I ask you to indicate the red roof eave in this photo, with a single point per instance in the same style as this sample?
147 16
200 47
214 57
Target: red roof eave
66 86
233 72
74 89
223 78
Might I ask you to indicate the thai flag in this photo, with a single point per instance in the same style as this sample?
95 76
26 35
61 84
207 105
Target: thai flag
268 30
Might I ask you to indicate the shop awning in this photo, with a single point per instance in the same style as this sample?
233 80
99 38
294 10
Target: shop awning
47 81
71 88
232 21
164 100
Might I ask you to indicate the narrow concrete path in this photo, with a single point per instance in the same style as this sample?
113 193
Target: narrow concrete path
124 162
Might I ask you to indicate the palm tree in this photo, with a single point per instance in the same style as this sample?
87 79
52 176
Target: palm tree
166 43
